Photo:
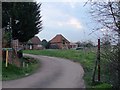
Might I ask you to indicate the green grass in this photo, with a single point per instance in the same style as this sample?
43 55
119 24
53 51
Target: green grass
0 69
102 85
12 72
69 54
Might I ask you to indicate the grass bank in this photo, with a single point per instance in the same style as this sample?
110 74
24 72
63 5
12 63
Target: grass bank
85 57
13 72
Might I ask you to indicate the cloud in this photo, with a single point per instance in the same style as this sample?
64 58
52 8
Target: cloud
75 23
51 14
70 22
57 18
71 3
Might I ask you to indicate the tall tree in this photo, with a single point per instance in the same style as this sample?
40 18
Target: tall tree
22 18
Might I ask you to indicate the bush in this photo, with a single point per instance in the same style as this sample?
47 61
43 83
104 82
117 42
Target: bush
20 53
109 63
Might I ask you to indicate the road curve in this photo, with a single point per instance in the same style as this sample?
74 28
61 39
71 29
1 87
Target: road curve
53 73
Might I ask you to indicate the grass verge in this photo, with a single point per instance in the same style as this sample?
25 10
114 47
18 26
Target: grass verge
12 72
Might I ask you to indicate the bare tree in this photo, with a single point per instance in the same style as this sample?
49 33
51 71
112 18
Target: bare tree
107 14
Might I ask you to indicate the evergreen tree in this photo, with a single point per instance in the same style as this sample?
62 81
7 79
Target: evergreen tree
45 44
25 19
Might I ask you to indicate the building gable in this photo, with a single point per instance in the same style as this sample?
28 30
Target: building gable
59 39
35 40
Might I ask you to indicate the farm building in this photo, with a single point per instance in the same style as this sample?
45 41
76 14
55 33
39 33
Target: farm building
59 42
73 45
34 44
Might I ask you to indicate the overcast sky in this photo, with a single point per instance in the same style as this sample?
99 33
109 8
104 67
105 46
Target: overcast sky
71 19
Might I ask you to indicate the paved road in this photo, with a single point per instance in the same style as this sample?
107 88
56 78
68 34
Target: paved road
53 73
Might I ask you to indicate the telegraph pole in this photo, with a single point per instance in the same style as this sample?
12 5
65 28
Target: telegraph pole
10 32
97 64
98 59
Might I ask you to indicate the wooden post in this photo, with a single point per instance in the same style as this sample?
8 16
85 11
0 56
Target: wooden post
93 77
6 58
98 58
97 64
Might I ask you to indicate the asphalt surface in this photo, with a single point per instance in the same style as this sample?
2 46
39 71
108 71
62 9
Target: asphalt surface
53 73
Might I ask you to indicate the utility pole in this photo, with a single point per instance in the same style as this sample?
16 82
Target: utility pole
98 59
10 27
97 64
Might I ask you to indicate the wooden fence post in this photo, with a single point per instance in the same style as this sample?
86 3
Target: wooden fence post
6 65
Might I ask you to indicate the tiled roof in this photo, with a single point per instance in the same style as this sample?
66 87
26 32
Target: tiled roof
58 39
35 40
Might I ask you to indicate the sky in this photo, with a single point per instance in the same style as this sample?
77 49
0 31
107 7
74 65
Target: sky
71 19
